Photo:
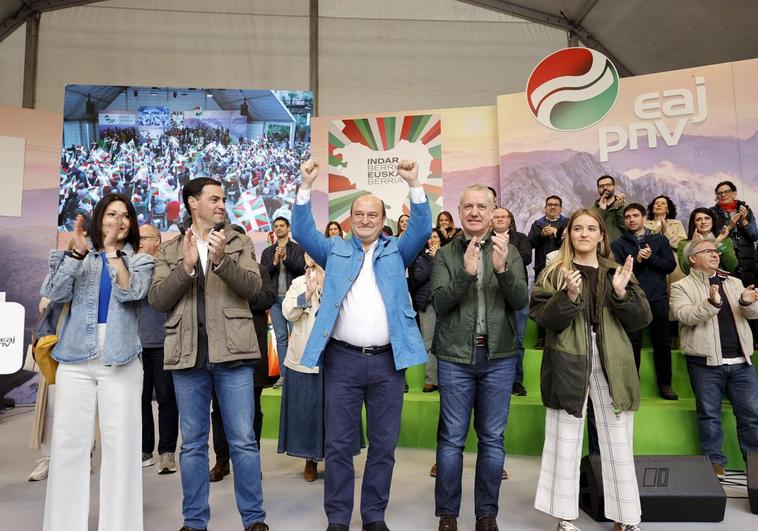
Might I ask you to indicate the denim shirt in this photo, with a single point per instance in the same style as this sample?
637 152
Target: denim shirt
345 258
78 282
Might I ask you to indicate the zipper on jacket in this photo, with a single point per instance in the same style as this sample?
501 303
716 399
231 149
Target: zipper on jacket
616 409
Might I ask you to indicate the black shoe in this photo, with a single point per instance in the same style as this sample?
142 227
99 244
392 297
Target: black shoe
429 388
540 344
185 528
667 393
376 526
337 527
257 526
448 523
519 389
486 523
221 469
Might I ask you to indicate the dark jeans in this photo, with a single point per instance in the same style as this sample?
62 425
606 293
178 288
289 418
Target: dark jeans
740 384
350 380
220 444
659 333
521 317
168 416
484 388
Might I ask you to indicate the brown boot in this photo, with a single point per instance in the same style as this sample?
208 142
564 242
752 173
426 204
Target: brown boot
448 523
433 471
221 469
310 473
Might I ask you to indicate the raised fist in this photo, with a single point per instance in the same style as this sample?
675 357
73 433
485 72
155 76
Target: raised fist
308 172
408 171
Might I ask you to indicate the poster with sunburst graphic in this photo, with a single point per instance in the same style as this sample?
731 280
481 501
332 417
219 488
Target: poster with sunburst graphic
363 155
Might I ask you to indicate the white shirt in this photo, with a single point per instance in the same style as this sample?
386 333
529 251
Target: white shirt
362 320
202 249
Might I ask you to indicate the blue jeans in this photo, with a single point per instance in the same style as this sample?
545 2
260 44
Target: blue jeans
234 388
485 388
521 318
281 332
740 384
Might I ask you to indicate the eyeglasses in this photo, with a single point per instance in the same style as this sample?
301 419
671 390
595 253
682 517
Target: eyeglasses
709 251
149 238
609 185
553 205
721 193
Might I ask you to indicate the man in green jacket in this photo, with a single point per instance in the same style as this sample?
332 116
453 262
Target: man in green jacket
478 283
610 207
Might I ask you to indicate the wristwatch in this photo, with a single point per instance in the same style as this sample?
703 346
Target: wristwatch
115 254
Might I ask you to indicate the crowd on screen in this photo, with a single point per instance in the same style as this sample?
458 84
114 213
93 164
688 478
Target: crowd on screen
151 172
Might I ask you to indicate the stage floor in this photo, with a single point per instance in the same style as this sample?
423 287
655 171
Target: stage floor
294 505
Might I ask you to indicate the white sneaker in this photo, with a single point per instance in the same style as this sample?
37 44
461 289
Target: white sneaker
627 527
279 383
167 463
40 471
147 460
565 525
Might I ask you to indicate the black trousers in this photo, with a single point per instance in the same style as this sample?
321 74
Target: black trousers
155 378
659 332
220 444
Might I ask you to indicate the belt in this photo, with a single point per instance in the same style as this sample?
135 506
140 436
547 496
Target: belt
481 341
366 351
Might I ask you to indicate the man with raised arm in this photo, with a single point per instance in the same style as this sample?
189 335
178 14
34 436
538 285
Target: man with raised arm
365 335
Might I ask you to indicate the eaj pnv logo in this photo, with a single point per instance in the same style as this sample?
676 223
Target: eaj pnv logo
572 89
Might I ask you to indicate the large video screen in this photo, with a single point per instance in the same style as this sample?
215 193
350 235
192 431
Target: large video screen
146 142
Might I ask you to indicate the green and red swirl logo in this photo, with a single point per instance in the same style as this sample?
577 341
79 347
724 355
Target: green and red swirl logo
572 89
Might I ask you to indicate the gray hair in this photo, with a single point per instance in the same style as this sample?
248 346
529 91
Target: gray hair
479 188
691 248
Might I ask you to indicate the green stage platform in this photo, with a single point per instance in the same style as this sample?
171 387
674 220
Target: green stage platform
661 427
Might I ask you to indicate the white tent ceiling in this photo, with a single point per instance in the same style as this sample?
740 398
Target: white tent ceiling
646 36
373 55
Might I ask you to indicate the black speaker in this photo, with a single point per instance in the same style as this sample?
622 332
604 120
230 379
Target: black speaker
752 481
673 488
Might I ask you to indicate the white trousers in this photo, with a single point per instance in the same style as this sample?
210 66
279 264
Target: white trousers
558 485
84 389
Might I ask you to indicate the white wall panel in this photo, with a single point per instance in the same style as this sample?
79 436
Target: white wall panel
12 68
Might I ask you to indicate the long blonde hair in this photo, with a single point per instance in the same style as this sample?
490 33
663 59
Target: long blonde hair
551 275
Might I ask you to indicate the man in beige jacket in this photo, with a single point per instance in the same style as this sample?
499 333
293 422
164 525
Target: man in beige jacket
712 309
204 281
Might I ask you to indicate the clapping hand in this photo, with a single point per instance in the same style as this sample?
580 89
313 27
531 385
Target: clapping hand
621 278
80 237
189 251
216 245
573 280
500 251
714 295
750 295
471 257
644 253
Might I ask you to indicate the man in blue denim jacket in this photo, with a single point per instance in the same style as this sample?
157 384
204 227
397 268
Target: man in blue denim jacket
366 333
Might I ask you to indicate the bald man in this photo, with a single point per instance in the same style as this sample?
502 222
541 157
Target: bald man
152 335
365 335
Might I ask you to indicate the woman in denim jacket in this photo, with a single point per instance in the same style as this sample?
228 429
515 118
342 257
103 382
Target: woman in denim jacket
103 280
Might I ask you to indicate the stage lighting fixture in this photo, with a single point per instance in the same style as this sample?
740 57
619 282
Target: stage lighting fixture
175 94
89 107
135 93
243 108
